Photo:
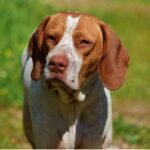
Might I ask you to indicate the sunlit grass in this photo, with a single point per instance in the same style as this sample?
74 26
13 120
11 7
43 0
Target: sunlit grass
11 132
129 19
18 20
134 135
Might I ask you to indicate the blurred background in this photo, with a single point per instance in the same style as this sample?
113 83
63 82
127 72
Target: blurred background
131 104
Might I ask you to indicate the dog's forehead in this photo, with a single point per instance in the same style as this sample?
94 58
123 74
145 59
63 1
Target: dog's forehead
82 21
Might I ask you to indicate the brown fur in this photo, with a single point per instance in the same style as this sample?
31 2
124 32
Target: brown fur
114 61
35 50
106 53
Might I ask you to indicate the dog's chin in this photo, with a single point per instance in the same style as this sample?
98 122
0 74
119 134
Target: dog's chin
53 83
64 92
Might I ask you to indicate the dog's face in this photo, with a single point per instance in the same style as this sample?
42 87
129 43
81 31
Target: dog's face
68 47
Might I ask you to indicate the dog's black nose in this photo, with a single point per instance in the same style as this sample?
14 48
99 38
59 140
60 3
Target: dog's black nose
58 63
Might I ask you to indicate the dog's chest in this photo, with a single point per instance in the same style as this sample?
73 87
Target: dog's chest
66 125
54 121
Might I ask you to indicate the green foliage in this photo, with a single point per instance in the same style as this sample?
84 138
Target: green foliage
131 21
18 20
132 134
11 133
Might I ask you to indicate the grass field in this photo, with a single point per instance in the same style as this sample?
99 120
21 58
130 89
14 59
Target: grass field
131 104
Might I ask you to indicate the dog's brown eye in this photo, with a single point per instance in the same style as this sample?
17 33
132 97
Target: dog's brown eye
86 42
51 37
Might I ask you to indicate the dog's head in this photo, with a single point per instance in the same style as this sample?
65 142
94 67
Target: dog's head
69 47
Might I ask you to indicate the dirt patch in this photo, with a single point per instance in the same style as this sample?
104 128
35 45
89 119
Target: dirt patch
134 112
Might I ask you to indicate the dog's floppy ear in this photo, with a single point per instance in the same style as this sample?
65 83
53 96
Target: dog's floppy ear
113 63
35 49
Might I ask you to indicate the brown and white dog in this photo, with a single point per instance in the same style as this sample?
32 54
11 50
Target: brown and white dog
71 62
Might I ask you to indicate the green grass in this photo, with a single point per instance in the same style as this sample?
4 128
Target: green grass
134 135
18 18
11 133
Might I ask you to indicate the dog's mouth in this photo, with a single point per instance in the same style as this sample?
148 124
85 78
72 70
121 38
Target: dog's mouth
64 92
53 83
57 83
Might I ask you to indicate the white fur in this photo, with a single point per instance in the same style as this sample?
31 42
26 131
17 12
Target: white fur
108 128
69 137
80 96
66 46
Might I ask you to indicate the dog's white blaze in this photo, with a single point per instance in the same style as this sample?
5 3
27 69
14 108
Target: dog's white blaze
66 46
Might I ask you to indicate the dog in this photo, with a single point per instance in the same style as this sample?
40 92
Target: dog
71 63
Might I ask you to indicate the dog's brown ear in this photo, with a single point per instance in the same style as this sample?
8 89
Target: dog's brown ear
113 63
35 49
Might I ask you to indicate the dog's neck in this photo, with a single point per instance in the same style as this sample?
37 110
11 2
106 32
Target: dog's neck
86 87
80 95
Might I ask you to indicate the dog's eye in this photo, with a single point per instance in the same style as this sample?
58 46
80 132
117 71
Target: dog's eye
85 42
51 37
